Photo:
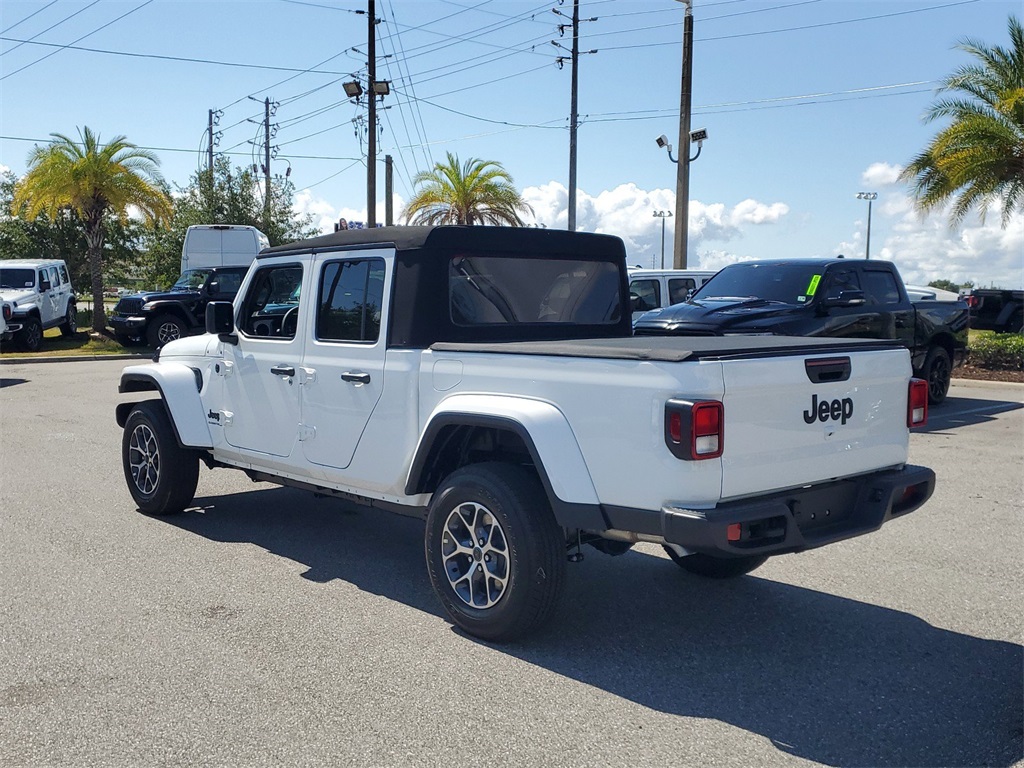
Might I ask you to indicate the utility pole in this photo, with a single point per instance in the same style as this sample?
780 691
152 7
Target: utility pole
371 151
574 57
683 166
266 164
209 149
389 206
573 117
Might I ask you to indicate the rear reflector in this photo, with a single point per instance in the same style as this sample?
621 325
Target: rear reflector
694 430
734 532
917 403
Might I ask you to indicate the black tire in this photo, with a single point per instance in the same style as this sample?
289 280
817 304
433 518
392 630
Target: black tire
161 475
124 339
164 328
717 567
937 371
70 325
30 337
495 554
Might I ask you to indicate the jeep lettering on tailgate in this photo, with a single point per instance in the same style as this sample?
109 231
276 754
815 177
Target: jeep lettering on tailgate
837 410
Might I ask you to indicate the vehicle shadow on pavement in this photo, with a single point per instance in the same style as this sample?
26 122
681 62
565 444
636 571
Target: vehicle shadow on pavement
825 678
958 412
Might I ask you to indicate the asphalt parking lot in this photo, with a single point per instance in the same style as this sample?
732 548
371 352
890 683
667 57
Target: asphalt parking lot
268 627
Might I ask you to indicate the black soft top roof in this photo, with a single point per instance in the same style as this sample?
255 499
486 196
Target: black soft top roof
420 313
491 238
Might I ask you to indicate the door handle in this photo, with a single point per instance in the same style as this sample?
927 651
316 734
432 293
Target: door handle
283 370
356 378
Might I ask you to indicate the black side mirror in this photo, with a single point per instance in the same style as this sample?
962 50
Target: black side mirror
44 285
220 319
849 298
634 302
213 288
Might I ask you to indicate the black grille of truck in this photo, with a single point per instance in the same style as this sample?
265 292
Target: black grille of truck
128 306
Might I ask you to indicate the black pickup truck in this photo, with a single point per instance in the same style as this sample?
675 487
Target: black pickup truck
851 298
995 309
156 318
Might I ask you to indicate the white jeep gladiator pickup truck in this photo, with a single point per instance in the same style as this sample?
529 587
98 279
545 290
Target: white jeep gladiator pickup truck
486 379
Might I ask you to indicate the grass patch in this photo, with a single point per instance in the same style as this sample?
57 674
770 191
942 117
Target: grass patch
82 343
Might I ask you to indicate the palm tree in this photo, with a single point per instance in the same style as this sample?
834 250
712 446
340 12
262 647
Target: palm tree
476 192
979 158
95 181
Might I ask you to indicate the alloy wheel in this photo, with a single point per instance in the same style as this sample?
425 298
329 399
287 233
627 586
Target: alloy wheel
475 554
144 459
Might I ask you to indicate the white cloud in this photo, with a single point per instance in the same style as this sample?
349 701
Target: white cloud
628 212
325 215
3 169
881 175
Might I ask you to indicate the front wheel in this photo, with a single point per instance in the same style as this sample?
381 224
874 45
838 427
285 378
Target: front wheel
495 554
161 475
70 325
716 567
30 337
937 372
164 329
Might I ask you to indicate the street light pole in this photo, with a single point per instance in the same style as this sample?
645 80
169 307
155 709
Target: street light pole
870 197
662 215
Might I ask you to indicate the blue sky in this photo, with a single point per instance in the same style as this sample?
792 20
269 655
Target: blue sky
806 102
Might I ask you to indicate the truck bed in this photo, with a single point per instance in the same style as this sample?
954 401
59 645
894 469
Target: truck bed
674 348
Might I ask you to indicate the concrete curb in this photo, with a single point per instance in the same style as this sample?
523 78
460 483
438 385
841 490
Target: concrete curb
984 383
69 358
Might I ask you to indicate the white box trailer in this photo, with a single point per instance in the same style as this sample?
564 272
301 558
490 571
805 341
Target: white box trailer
221 245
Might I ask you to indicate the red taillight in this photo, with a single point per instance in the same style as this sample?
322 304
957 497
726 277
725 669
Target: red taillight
972 301
694 430
7 311
917 403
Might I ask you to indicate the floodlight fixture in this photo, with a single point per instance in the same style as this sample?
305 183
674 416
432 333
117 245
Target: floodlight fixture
353 89
381 87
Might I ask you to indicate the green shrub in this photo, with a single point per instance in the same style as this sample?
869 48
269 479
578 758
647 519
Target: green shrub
1003 351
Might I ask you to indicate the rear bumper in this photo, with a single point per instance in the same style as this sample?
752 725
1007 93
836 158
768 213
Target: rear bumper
793 521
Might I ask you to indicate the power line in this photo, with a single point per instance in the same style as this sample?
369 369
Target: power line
179 149
52 26
19 23
164 57
486 119
795 29
62 47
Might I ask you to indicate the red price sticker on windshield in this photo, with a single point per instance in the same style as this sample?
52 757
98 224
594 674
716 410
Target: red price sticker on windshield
813 285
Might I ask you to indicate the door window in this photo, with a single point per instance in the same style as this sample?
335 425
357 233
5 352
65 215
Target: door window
844 280
271 306
679 288
350 299
880 287
648 294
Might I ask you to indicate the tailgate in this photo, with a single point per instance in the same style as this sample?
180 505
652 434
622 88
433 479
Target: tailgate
783 430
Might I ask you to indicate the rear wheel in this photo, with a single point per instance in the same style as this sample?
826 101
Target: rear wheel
717 567
164 329
70 325
495 554
161 475
30 337
937 372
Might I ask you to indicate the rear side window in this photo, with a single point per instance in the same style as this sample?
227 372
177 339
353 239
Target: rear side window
880 287
679 288
505 290
64 274
648 293
350 299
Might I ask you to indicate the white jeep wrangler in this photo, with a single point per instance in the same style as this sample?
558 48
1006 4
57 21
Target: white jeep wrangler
40 297
486 380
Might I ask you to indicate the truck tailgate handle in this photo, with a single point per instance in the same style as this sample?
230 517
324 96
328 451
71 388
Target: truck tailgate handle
356 377
283 370
823 370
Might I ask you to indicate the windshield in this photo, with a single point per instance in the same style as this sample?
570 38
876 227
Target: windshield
787 283
17 278
191 280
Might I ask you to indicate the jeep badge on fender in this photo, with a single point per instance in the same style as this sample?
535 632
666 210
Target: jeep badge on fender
837 410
